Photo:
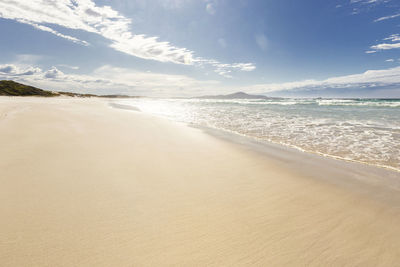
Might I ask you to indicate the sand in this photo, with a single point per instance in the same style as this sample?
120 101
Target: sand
86 184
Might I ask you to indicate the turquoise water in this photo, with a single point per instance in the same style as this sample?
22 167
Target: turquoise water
364 130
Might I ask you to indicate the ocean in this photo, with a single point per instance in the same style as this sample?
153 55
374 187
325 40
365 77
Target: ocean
362 130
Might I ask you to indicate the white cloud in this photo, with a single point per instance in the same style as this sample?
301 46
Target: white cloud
387 17
54 73
389 60
393 37
368 1
244 66
109 80
148 79
85 15
11 70
370 51
113 80
361 6
226 70
370 78
388 46
50 30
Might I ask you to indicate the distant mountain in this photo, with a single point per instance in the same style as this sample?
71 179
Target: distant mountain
238 95
11 88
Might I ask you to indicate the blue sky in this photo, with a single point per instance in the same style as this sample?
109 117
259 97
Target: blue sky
337 48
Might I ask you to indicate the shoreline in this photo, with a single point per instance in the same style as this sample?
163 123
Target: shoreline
254 139
85 184
352 175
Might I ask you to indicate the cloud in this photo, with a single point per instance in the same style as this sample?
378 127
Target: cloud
361 6
389 60
53 73
86 16
388 46
387 17
50 30
244 66
114 80
370 51
8 69
109 80
368 1
224 69
11 70
393 37
369 79
149 80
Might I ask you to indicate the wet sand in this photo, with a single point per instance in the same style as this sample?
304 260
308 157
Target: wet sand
85 184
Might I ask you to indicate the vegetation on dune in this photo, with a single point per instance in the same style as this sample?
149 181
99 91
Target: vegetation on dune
11 88
76 94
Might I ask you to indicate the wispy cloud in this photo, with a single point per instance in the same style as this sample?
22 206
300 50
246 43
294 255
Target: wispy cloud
50 30
226 69
368 1
387 17
85 15
393 37
361 6
387 46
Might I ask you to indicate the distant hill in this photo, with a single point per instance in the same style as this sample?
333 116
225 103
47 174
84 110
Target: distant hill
238 95
11 88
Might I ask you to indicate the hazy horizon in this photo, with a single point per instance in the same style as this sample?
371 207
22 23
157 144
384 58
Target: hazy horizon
174 48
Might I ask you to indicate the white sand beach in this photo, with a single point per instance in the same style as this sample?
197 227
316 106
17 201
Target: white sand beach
86 184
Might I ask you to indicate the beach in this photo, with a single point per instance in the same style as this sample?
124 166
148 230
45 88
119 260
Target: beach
83 183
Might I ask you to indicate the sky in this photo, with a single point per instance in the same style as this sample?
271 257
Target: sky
168 48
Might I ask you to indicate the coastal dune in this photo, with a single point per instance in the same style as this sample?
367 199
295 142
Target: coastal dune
86 184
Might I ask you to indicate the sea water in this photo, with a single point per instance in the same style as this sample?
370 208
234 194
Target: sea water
363 130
